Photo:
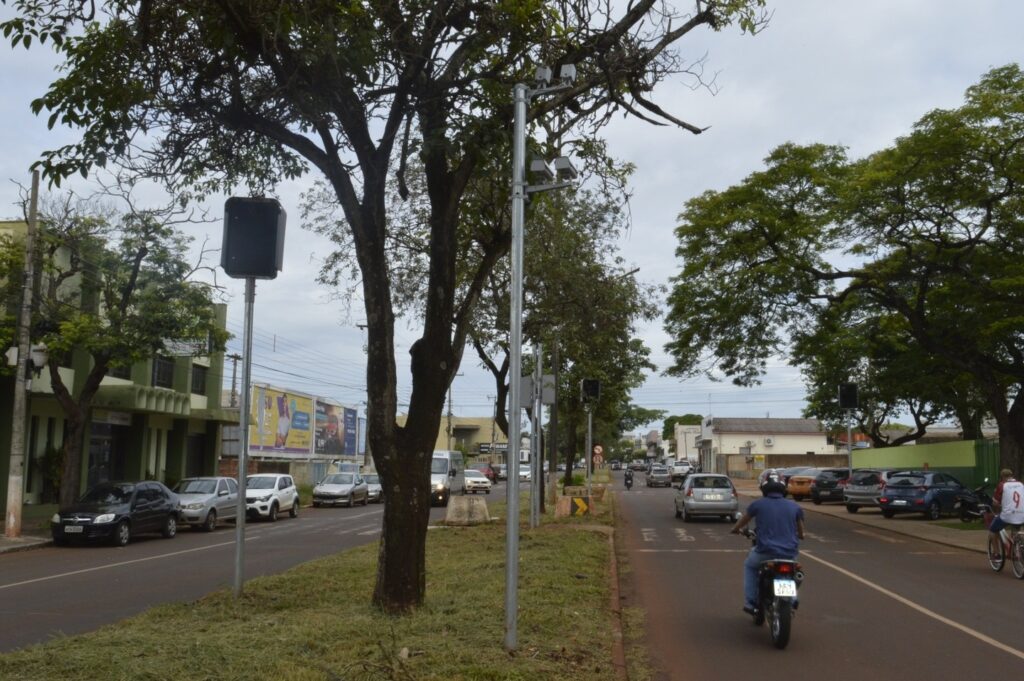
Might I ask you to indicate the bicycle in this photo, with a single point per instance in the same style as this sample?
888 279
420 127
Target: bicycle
1011 542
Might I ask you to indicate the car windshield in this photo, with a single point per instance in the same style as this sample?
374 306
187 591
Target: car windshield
372 479
907 480
260 482
475 474
659 469
338 479
108 494
196 487
439 466
865 478
711 483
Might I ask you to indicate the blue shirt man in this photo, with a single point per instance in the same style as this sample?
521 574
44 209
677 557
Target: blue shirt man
780 527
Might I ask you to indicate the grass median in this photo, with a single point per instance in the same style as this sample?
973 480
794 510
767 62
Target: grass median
315 621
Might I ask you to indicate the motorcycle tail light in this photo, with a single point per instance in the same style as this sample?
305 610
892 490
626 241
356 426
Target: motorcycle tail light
785 568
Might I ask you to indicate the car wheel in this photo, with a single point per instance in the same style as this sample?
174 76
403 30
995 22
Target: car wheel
888 514
934 512
316 504
679 513
272 513
816 500
686 516
294 510
366 500
488 491
211 521
852 508
122 534
60 541
170 527
797 498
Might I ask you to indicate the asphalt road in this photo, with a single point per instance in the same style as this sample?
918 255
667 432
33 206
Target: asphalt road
874 604
55 591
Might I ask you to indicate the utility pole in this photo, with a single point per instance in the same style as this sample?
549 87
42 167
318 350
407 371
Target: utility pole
536 456
16 475
553 461
234 371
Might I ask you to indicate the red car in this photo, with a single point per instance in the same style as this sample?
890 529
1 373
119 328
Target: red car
487 470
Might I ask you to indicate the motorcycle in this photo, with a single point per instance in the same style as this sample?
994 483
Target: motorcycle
974 504
628 481
777 583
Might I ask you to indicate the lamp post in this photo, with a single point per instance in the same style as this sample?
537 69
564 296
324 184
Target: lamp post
521 97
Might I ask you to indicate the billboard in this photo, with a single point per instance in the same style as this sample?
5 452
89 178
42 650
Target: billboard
281 422
335 430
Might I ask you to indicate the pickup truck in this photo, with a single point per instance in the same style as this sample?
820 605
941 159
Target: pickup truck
680 469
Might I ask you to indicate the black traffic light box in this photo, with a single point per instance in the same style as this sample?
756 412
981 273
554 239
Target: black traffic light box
590 389
253 245
847 395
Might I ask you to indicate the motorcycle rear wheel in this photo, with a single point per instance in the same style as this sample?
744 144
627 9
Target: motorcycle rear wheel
1017 555
780 621
996 558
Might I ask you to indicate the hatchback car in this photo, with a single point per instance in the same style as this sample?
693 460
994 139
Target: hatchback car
924 492
205 501
829 484
525 475
374 490
348 489
799 485
117 511
659 476
864 488
267 494
475 481
707 494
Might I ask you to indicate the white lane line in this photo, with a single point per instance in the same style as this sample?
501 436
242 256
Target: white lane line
883 537
363 534
376 528
920 608
691 551
649 534
123 562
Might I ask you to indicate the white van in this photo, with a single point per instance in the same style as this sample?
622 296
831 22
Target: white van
447 473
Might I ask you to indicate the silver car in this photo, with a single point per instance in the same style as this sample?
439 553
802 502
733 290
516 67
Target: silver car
373 487
659 476
206 501
864 488
707 494
341 488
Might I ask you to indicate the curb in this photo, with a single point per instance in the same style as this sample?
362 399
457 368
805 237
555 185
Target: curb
23 544
618 649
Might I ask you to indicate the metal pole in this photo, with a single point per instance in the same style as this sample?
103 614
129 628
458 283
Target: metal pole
590 446
520 95
553 462
849 444
243 452
16 474
536 457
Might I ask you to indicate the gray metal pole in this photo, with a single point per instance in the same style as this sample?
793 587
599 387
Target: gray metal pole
849 444
590 444
536 469
243 452
553 418
515 368
16 472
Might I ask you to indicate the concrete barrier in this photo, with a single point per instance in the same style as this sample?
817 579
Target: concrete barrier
465 510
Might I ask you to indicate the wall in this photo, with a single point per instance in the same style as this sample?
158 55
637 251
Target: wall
956 458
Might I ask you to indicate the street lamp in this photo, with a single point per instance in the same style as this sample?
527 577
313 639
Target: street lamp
565 173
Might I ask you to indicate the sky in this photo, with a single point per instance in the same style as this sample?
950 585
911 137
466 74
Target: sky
852 72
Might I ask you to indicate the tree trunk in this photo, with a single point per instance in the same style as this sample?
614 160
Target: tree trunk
71 468
1010 420
571 445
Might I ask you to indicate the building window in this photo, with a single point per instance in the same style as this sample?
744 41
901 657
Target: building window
163 372
124 372
199 379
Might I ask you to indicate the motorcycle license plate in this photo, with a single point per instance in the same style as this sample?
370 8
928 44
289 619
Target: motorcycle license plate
785 587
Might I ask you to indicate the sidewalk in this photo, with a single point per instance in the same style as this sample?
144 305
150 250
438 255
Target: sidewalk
8 544
910 524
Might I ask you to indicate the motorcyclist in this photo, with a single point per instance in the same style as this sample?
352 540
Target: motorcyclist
780 527
1008 500
629 478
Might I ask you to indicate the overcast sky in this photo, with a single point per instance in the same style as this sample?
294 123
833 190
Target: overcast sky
851 72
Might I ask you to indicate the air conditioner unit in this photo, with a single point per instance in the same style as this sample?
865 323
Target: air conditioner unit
769 441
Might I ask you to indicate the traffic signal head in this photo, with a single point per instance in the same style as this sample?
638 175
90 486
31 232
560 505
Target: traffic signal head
590 389
847 395
253 244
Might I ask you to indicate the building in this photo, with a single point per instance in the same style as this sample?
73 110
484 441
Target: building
687 440
742 447
474 436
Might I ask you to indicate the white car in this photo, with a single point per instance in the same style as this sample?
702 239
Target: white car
267 494
374 490
475 481
524 474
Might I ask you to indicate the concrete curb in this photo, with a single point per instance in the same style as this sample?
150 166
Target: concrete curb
23 543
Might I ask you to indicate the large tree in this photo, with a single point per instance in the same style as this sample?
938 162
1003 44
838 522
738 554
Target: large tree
208 95
929 232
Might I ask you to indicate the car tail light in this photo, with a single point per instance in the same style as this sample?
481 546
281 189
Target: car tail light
883 500
842 483
689 492
923 488
919 502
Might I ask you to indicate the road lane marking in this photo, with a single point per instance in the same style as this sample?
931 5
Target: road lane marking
883 537
682 535
920 608
368 532
850 553
649 534
691 551
376 528
122 563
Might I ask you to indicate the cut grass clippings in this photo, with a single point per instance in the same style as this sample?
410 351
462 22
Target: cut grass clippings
315 621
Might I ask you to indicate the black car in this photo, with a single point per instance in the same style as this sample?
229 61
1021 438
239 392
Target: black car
829 485
115 511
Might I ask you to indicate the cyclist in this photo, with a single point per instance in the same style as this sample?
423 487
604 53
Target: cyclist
1008 500
780 527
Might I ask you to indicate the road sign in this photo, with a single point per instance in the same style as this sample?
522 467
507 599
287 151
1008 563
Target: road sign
580 506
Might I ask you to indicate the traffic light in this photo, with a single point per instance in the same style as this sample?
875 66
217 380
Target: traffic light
253 238
847 395
590 389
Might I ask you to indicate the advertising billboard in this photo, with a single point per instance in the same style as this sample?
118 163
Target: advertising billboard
281 422
329 439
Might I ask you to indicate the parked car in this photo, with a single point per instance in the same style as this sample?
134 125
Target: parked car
475 481
500 471
924 492
638 465
560 467
117 511
799 484
487 470
829 484
864 488
707 494
659 476
205 501
524 473
680 469
341 488
267 494
615 465
374 490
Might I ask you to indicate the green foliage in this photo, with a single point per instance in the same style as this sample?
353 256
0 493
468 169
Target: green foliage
668 431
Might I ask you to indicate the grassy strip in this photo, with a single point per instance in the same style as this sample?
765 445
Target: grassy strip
315 621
